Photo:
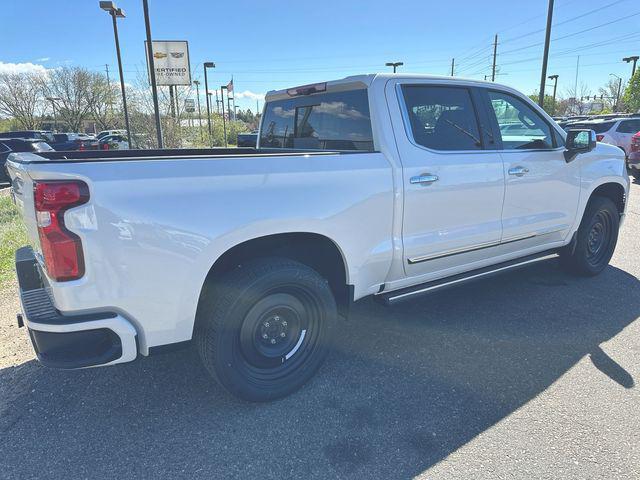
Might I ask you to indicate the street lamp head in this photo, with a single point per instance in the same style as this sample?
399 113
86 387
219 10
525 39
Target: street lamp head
394 64
552 77
635 58
108 6
209 65
196 82
119 13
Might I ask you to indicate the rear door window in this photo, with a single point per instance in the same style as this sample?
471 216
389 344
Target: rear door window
629 126
328 121
442 118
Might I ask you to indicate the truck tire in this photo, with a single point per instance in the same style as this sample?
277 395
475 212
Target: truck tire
265 328
596 238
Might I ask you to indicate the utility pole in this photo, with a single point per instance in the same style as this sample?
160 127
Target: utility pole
257 109
453 63
152 73
616 106
106 67
633 59
495 54
217 103
555 86
197 84
545 56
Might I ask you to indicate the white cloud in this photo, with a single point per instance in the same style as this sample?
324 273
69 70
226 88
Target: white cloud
26 67
250 95
43 59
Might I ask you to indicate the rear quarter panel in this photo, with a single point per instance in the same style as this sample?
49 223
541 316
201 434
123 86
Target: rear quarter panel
152 229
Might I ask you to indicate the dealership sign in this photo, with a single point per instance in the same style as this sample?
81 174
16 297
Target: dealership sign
171 62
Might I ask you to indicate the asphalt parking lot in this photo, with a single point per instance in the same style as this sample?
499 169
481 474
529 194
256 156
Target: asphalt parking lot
529 375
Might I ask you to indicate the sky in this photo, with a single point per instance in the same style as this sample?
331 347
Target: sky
269 45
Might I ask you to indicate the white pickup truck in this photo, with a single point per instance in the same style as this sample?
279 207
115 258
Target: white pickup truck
385 185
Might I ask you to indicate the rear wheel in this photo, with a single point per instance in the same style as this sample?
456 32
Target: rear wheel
265 328
596 238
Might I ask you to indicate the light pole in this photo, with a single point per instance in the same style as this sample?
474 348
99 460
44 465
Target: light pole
53 101
555 87
633 59
115 13
206 89
197 84
152 73
618 94
395 65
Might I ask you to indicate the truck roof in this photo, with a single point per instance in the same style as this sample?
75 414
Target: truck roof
365 81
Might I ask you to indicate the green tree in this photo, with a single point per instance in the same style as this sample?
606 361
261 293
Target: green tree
548 102
631 97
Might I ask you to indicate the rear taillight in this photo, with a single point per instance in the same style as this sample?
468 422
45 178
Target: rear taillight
61 249
635 143
105 146
599 138
82 146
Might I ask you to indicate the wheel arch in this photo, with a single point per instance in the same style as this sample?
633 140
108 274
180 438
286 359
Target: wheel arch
615 191
312 249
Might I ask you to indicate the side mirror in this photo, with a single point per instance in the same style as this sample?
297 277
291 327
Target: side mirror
579 141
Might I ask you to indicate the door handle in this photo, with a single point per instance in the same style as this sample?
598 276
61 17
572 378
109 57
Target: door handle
518 171
424 179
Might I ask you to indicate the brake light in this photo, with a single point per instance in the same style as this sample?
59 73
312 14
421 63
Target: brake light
599 138
105 146
635 143
82 146
61 249
307 89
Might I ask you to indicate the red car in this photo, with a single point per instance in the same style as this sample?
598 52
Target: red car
634 156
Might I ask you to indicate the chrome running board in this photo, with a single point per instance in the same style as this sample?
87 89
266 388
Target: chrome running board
391 298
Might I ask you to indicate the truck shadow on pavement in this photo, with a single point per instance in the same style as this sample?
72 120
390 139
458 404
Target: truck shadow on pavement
405 387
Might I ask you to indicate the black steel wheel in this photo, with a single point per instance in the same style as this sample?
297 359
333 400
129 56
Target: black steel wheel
265 328
596 238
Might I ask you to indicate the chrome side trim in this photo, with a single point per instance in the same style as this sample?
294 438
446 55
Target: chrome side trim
391 299
455 251
480 246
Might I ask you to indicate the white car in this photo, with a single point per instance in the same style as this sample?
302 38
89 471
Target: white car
376 185
114 142
104 133
618 132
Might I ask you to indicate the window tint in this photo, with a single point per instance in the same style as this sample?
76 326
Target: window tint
629 126
442 118
329 121
521 128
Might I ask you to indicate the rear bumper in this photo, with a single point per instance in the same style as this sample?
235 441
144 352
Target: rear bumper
70 341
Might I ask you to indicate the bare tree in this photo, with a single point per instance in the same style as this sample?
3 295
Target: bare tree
81 94
610 93
21 97
577 105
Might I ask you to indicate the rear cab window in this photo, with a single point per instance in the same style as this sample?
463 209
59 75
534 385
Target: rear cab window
324 121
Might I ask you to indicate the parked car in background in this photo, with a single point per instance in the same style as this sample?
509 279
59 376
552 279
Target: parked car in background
73 141
11 145
114 142
616 132
390 185
44 135
633 160
248 139
104 133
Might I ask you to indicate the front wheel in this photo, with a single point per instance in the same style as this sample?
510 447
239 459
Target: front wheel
265 327
596 238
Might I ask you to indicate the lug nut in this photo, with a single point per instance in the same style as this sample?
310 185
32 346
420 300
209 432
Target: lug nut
283 334
265 336
273 340
266 324
284 323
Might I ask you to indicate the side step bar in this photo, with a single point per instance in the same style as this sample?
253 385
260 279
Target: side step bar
396 296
